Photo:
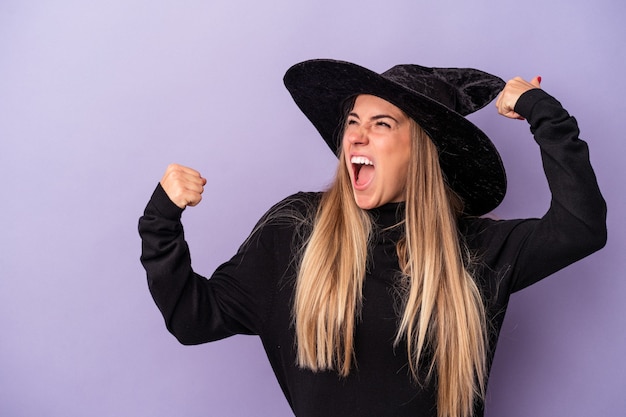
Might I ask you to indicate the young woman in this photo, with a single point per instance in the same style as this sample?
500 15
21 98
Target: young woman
384 295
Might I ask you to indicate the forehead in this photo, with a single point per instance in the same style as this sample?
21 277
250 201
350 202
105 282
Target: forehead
368 103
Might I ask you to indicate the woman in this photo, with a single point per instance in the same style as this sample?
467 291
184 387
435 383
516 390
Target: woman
385 294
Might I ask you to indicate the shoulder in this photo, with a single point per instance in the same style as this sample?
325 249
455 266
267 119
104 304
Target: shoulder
484 232
293 213
298 205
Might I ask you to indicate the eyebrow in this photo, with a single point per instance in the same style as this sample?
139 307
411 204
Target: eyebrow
377 117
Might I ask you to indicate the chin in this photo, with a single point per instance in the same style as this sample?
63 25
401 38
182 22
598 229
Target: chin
365 203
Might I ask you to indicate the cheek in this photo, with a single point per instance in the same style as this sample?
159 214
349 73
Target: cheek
402 167
345 145
401 176
344 159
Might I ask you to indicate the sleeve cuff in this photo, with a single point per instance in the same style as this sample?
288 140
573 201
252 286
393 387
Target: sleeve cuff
528 100
162 203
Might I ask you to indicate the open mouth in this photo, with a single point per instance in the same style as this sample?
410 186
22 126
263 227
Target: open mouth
363 170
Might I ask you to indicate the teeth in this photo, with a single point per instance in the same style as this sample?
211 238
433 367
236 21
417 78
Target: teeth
361 160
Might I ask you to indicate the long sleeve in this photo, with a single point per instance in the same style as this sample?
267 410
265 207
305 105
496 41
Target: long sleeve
195 309
240 295
573 227
575 224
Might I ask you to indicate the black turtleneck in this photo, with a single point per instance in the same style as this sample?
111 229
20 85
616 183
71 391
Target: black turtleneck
252 293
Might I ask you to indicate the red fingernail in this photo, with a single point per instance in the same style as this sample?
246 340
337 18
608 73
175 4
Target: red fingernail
539 79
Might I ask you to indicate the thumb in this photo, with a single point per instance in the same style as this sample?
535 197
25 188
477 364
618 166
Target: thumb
536 81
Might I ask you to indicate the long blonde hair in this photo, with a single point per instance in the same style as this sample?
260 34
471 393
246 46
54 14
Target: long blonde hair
442 308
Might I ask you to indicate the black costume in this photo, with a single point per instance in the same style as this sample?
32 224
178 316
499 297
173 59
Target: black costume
252 293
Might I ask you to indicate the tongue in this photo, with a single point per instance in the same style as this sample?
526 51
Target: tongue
365 174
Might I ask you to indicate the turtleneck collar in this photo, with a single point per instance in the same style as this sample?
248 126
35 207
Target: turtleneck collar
388 215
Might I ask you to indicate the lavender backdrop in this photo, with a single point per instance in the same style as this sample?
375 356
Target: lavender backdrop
96 98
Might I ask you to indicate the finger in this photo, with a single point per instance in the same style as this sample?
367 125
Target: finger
513 115
187 171
183 197
500 102
536 82
183 175
180 170
194 184
195 200
183 185
502 105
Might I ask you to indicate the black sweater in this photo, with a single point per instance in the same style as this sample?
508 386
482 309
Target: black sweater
252 293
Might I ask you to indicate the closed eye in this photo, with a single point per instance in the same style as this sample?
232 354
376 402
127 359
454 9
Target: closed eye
385 120
353 119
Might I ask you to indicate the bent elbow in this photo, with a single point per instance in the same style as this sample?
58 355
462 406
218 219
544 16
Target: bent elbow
598 233
599 239
593 238
187 338
189 335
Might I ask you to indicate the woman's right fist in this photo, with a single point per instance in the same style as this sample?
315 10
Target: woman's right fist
183 185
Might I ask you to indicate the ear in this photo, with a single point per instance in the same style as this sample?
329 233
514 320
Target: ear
475 88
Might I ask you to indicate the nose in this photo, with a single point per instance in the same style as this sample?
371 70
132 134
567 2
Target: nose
357 135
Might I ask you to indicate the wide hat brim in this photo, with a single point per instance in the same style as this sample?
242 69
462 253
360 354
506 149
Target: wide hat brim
469 160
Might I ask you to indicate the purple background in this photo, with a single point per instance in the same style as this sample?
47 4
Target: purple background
96 98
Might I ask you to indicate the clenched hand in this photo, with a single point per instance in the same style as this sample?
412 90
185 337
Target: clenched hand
183 185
